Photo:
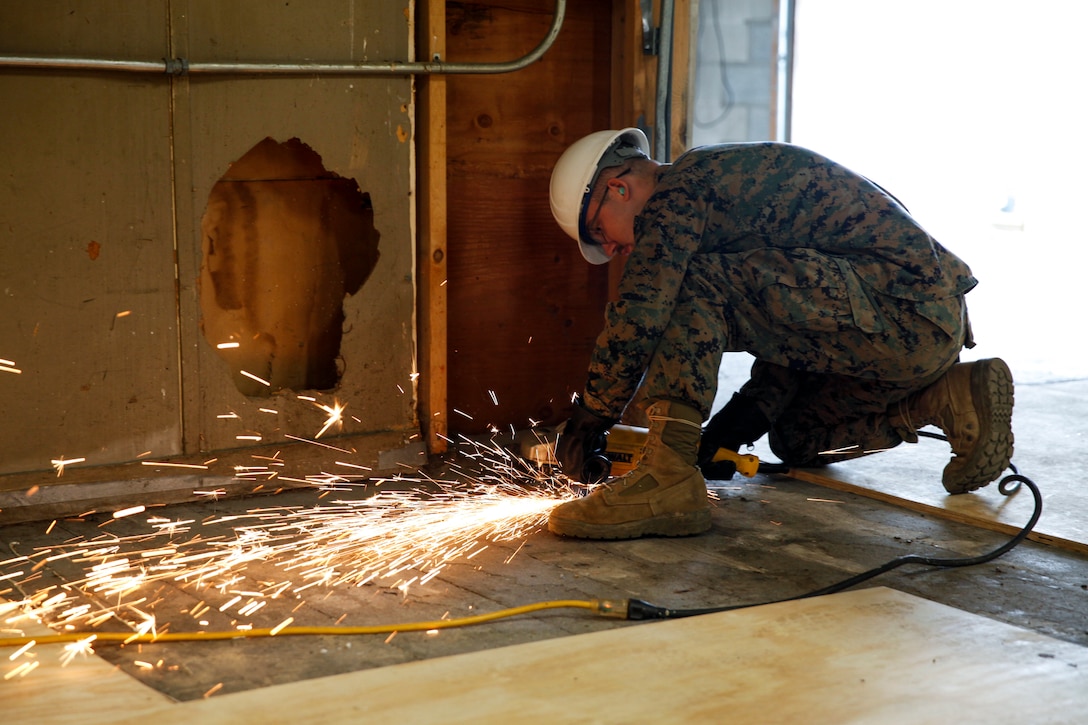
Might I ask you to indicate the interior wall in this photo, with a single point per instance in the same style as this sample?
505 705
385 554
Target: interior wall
978 138
107 177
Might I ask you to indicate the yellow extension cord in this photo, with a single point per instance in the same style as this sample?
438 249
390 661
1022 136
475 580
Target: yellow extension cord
603 607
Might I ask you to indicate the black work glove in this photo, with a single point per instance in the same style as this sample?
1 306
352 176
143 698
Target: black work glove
739 422
580 448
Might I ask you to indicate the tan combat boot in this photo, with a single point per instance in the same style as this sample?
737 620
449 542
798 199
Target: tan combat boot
664 494
972 404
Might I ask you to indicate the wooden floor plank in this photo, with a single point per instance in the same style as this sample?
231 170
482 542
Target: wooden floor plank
909 476
875 655
86 691
1050 423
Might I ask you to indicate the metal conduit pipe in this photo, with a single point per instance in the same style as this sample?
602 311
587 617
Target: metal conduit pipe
182 66
662 105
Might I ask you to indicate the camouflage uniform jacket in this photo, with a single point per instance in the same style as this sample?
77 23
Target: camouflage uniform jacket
722 202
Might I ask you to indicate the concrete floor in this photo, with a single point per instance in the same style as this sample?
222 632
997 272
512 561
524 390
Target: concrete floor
770 540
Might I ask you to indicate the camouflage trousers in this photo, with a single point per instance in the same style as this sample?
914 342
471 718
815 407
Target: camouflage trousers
831 355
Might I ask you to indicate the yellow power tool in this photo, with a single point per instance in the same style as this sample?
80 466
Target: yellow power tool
625 443
623 448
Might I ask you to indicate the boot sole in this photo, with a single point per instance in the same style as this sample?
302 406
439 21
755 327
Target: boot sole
992 389
683 524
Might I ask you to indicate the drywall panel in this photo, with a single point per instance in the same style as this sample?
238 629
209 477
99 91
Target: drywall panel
359 130
120 29
106 181
87 279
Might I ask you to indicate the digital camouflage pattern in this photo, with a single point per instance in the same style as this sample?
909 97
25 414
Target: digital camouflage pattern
847 304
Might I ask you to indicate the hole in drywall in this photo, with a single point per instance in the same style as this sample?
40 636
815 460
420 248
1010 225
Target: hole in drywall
284 241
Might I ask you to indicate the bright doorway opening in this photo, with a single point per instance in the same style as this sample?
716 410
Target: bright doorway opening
970 112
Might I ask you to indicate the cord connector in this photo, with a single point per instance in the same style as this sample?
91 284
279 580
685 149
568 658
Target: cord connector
616 608
638 609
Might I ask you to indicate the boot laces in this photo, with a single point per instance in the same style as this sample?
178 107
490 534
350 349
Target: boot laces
653 439
622 482
669 419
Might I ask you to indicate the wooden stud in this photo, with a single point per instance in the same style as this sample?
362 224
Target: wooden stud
431 201
683 61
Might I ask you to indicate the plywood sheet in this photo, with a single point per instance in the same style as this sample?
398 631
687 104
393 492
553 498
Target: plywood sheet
875 655
524 307
87 690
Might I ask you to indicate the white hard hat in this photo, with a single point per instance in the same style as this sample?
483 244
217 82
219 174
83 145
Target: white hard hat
576 173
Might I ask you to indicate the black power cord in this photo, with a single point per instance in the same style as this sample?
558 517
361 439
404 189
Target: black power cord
639 610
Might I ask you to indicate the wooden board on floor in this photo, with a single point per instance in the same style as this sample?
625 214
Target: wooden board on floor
910 476
986 508
1050 423
874 655
87 690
